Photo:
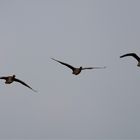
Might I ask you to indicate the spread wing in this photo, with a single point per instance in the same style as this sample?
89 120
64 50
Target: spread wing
131 54
3 78
17 80
93 68
69 66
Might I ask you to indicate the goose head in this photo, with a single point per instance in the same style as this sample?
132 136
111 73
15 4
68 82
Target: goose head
80 68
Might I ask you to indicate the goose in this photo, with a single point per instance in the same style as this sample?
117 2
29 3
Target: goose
76 71
133 55
11 79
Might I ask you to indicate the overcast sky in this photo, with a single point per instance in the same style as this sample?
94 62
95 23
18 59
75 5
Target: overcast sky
95 104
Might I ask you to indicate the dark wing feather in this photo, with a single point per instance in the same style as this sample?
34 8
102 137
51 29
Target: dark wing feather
71 67
93 68
131 54
17 80
3 78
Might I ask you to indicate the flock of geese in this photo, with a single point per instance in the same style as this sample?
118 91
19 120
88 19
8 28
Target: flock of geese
75 71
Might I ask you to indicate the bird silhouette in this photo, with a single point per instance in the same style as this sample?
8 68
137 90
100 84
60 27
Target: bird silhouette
75 70
11 79
133 55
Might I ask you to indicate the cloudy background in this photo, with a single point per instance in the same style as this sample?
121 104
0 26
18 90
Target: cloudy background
95 104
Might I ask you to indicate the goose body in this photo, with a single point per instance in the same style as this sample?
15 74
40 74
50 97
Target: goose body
77 71
9 79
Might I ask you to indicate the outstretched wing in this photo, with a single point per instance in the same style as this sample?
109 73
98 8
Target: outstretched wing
93 68
3 78
17 80
71 67
131 54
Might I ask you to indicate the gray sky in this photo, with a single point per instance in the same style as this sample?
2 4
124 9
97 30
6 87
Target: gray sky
95 104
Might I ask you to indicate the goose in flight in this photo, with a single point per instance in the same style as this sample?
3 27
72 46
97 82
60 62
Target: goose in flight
133 55
76 71
11 79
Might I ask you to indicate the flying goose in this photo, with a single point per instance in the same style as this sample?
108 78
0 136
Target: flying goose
77 71
11 79
133 55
